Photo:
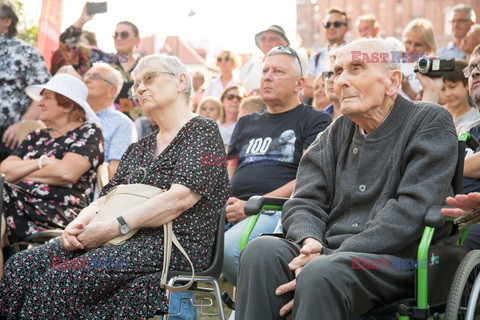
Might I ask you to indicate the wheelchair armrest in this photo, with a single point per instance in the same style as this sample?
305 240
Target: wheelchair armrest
257 203
434 217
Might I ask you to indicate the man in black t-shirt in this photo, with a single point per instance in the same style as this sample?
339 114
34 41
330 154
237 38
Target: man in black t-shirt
471 171
266 147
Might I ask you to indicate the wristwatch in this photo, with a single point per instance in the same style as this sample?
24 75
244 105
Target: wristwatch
124 227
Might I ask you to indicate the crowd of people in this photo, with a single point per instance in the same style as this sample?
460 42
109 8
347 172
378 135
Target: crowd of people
346 139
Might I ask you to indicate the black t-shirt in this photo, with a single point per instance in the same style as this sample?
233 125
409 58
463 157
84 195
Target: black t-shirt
269 148
472 184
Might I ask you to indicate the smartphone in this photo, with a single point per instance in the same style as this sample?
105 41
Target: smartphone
96 7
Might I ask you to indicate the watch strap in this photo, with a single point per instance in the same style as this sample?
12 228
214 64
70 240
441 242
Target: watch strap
121 220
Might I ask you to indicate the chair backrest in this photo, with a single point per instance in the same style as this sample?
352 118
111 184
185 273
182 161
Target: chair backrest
28 126
457 180
216 265
215 268
103 175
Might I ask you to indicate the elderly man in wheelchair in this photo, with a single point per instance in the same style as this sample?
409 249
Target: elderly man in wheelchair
353 227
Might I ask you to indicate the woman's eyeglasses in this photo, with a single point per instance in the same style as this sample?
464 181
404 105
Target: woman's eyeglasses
96 76
234 96
148 79
291 52
220 59
123 35
326 75
336 24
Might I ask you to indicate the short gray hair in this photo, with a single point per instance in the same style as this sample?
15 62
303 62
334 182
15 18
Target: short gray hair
172 64
461 7
113 75
302 59
390 46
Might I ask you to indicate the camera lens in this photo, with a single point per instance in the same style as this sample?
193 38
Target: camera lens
423 64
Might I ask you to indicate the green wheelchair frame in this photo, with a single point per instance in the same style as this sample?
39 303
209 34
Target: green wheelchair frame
463 298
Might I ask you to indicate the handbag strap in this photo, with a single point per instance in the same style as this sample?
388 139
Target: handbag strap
169 237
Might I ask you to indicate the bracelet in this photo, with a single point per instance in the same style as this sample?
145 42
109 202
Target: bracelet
40 165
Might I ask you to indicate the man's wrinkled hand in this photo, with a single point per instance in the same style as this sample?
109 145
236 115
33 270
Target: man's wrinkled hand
235 210
311 249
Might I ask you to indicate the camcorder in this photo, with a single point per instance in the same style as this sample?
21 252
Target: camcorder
435 67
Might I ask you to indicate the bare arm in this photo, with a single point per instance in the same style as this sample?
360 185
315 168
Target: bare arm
61 172
113 166
232 166
15 168
84 18
155 212
10 136
471 167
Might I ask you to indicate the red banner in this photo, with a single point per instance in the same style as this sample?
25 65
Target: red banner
49 28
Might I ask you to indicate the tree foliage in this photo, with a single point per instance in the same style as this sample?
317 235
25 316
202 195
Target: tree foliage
27 28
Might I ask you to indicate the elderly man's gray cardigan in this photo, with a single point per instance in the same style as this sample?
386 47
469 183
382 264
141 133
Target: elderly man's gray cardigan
370 194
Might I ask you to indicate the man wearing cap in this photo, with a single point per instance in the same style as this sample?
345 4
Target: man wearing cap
336 26
20 65
104 84
251 72
266 147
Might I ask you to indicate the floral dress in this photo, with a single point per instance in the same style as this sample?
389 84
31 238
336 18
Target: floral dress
30 206
123 281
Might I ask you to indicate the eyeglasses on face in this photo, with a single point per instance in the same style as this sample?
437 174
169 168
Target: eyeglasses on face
336 24
220 59
95 76
148 79
291 52
123 35
467 72
234 96
326 75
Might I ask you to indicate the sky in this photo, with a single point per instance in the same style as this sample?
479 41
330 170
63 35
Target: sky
217 24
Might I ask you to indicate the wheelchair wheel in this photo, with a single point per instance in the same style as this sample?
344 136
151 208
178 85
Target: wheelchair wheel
463 302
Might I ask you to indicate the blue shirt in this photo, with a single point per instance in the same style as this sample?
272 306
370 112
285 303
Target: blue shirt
118 132
450 51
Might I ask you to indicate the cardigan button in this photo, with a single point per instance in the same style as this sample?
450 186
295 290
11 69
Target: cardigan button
355 225
355 151
362 188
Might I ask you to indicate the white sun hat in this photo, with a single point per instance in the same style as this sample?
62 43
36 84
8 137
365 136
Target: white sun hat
68 86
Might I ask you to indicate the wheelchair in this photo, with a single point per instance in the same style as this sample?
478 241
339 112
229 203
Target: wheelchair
446 287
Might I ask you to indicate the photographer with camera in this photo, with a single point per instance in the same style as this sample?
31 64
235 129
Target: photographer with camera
126 38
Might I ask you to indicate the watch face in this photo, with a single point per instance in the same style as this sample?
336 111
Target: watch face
124 229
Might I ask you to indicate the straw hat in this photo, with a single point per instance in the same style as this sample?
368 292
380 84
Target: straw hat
68 86
273 28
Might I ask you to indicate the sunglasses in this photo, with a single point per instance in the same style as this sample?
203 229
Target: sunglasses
326 75
291 52
123 35
336 24
148 79
467 72
96 76
234 96
220 59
